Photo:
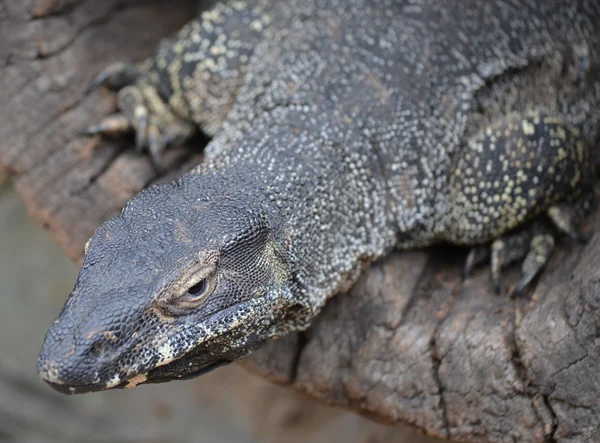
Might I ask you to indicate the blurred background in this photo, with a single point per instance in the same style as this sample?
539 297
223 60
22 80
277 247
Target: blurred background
227 405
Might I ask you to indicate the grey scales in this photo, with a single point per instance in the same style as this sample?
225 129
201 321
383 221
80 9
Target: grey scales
340 131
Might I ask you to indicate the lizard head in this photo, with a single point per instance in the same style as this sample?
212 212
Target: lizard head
171 289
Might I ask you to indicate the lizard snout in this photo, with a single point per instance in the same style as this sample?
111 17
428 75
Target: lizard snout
73 367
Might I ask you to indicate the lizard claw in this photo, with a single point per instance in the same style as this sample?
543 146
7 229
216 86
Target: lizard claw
140 123
115 76
156 146
477 255
115 124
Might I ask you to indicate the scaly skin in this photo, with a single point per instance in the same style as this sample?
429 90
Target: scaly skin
350 128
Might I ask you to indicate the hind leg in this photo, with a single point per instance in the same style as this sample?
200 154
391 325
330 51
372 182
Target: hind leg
522 168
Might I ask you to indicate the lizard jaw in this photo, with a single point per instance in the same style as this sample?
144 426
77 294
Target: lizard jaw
157 375
160 374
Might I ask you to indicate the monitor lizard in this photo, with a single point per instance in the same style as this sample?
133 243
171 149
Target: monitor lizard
340 131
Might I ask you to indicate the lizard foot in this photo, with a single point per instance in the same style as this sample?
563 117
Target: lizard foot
533 244
142 111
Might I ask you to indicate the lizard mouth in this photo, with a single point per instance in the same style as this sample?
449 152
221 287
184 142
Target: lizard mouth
157 375
193 370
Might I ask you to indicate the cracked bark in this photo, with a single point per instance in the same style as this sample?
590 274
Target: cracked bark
410 345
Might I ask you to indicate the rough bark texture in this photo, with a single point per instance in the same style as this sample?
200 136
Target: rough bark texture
410 344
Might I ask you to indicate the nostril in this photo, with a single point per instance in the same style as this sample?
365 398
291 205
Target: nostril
97 349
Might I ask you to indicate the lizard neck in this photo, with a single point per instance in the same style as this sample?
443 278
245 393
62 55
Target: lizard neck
321 187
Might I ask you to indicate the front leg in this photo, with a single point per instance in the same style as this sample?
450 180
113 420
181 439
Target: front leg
190 82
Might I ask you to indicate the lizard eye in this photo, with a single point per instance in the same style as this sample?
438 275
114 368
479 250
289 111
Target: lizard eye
193 287
196 294
197 290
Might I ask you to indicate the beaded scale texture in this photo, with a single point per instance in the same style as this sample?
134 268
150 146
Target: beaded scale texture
341 130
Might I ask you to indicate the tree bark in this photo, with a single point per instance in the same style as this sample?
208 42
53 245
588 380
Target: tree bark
410 345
